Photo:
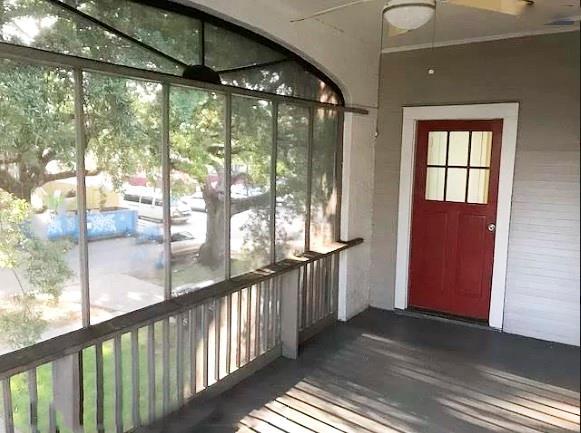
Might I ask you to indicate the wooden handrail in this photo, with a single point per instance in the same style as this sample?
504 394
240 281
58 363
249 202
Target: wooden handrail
72 342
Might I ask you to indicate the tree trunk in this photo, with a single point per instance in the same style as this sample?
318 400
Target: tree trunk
212 251
21 190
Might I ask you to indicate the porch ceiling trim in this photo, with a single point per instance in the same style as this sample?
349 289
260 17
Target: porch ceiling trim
397 49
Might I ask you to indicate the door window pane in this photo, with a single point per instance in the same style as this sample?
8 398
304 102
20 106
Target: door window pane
458 148
124 195
481 149
437 142
478 186
324 189
250 191
291 180
435 183
40 294
456 185
197 188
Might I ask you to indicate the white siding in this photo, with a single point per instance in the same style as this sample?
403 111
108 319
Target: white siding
543 263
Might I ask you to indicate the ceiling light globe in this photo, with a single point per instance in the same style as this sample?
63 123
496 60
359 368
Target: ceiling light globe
409 14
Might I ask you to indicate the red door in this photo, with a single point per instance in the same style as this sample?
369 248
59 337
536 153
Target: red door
454 216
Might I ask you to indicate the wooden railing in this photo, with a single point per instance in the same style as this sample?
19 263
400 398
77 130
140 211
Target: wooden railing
137 368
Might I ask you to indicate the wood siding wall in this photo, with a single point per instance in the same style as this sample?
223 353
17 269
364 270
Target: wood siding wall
542 74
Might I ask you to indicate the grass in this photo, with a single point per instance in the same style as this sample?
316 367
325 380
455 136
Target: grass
19 385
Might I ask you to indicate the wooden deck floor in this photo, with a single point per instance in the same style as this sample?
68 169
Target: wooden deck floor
383 373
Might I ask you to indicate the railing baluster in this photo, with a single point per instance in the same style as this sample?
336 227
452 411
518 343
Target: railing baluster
206 330
267 315
317 285
303 298
217 317
33 399
335 294
272 314
7 414
136 398
118 385
308 271
274 311
193 351
321 290
314 287
311 289
165 364
277 310
248 329
239 329
326 288
331 278
257 320
151 372
100 394
320 303
180 359
52 420
311 286
229 333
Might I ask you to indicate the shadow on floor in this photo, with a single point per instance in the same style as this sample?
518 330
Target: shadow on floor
383 373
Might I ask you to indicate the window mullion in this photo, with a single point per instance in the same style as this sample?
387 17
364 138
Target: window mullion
165 174
273 162
310 140
227 183
339 173
202 43
81 147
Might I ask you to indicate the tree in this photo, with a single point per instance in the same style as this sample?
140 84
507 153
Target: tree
197 135
123 116
37 265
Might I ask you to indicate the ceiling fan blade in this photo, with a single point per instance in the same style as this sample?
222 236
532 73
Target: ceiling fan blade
510 7
329 10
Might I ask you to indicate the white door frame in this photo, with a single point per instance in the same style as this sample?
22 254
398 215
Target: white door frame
508 112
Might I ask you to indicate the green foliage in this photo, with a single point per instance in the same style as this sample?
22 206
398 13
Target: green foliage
123 127
65 32
13 214
44 264
196 132
41 262
21 325
173 34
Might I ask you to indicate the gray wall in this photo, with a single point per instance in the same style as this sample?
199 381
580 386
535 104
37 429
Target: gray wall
542 74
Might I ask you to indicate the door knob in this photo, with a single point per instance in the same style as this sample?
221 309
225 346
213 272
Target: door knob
491 227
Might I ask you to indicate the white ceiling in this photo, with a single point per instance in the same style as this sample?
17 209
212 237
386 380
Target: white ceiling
453 23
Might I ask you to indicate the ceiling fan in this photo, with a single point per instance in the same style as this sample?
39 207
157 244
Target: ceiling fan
406 15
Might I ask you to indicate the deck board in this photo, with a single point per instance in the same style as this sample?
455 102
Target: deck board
383 372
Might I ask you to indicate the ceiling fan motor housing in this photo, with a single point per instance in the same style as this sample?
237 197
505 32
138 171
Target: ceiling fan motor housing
409 14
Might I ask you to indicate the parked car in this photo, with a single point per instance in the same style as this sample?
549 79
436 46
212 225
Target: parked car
150 206
184 244
195 201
